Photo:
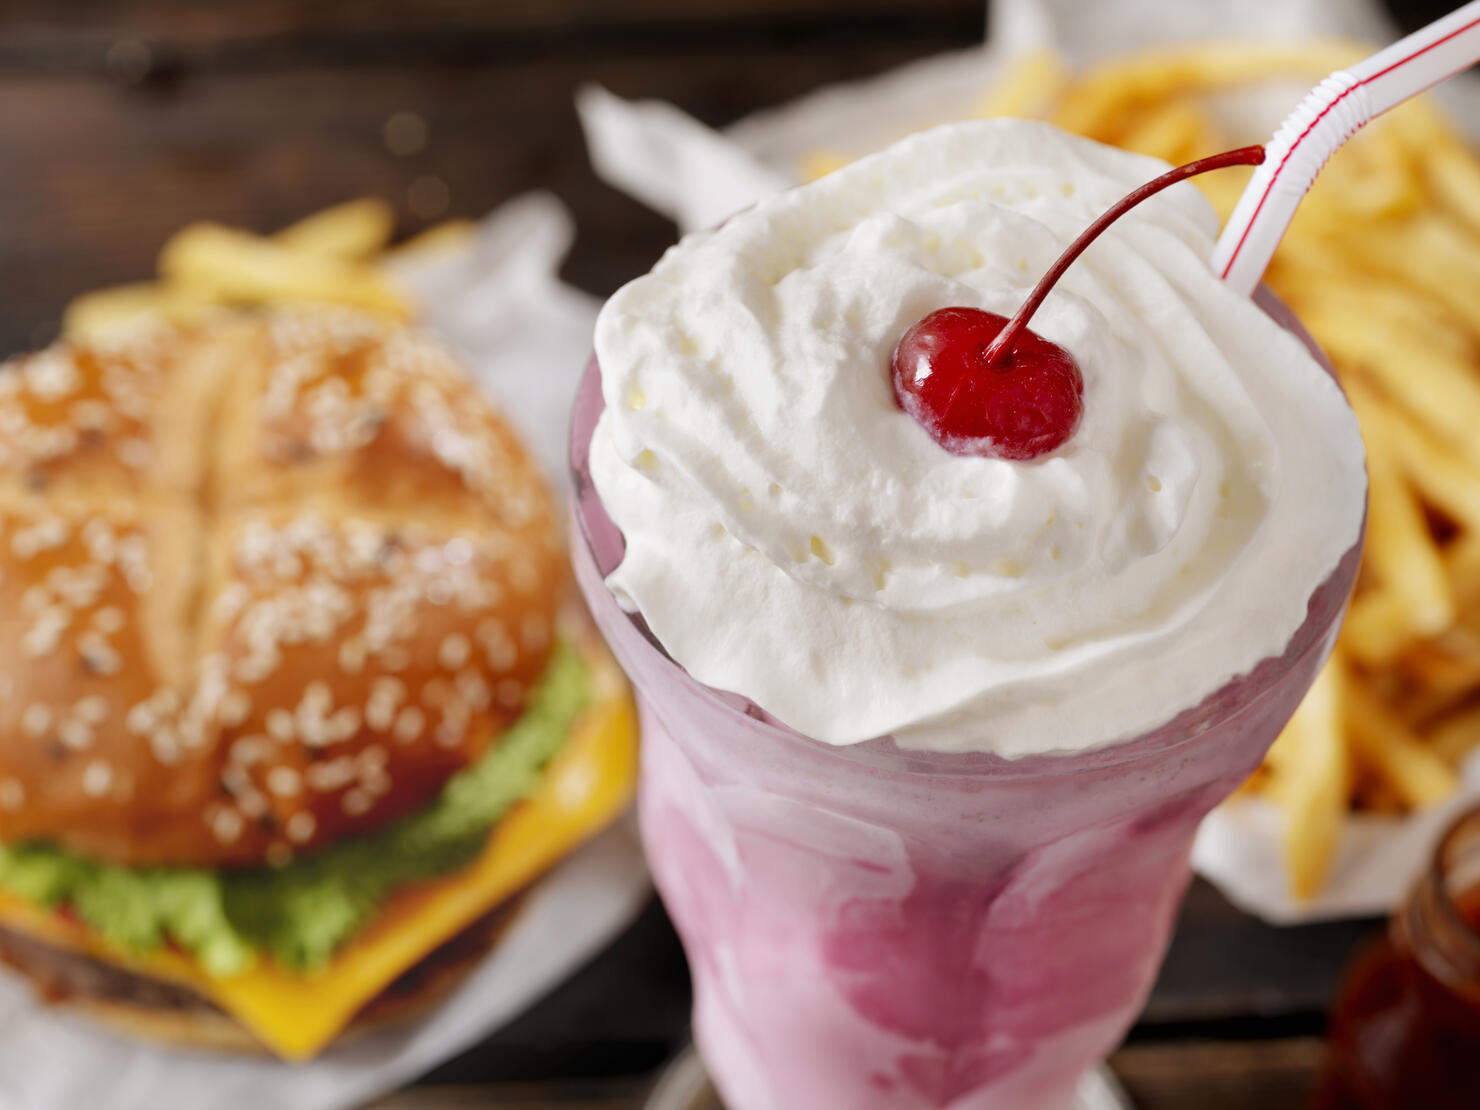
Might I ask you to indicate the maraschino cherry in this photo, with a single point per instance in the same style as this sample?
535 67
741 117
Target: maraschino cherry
984 385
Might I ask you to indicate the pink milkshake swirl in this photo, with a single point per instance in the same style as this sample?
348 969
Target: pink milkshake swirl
927 736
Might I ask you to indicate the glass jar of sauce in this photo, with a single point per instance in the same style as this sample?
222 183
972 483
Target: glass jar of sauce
1405 1031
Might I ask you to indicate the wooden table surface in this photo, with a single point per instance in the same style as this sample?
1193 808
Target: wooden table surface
121 121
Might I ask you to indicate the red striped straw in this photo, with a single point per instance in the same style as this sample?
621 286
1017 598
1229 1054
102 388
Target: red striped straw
1330 114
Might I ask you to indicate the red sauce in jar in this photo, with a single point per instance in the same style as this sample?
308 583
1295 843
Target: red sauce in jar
1405 1031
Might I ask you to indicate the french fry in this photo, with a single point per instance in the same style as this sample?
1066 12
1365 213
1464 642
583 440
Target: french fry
1311 780
439 237
1437 256
1388 748
1028 87
1450 171
355 230
1377 628
1456 736
1442 476
1175 132
1369 178
1400 549
1323 289
1462 564
819 163
1110 92
237 266
1435 387
1445 666
93 315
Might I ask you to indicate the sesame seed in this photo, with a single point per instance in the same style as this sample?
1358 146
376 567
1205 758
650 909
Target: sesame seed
357 802
192 732
98 537
448 735
12 795
390 688
230 600
252 803
90 414
36 720
76 734
330 774
235 779
93 709
280 725
312 731
251 749
458 552
108 619
140 718
317 698
379 713
300 827
254 668
51 375
98 656
473 689
227 825
43 636
136 454
344 723
284 781
236 708
164 742
97 778
410 723
454 651
502 655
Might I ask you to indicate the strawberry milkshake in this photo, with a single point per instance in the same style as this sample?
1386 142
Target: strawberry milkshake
940 670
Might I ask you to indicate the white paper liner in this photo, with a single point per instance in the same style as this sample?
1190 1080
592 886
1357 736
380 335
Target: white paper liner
527 338
1239 848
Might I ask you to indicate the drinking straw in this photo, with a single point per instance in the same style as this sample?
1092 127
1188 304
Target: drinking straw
1329 115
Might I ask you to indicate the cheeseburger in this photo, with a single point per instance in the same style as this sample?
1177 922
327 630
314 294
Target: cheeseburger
288 714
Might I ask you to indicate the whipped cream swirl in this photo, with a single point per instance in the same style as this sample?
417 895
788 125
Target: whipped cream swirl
794 537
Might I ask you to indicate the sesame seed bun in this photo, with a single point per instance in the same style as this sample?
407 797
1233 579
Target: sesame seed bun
267 584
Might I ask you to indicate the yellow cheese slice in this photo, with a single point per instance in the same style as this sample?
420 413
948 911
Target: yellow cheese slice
586 785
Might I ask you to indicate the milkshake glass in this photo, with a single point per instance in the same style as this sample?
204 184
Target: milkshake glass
928 730
877 928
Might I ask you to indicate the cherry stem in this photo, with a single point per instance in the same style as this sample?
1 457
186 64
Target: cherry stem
1000 349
